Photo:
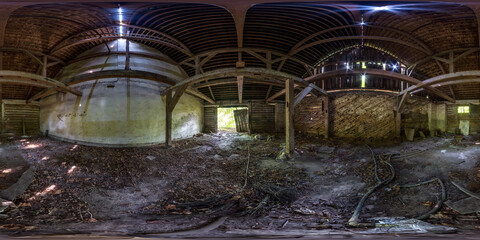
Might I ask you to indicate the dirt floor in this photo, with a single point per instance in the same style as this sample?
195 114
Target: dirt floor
233 183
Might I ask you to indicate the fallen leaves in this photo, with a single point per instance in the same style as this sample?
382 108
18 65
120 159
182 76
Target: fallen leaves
16 227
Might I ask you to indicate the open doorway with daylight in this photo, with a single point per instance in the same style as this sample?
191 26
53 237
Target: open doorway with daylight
233 119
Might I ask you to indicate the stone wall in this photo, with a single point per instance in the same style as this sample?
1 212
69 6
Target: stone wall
362 116
311 115
359 115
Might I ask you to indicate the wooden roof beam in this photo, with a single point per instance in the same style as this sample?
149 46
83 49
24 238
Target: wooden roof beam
119 73
17 77
380 73
467 76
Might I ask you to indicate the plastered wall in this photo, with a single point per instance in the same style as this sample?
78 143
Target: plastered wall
119 111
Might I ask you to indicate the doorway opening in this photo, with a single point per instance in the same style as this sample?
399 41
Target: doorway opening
233 119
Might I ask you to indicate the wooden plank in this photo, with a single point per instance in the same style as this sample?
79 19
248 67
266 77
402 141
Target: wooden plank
210 119
301 95
178 93
268 91
240 88
289 112
168 119
198 94
401 104
325 109
44 66
42 94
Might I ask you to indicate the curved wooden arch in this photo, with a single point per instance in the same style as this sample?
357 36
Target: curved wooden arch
379 73
420 43
380 38
25 78
461 77
111 37
245 72
251 51
171 41
119 74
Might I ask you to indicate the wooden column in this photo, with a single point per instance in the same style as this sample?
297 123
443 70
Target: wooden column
289 111
398 123
240 88
44 66
2 109
327 119
170 104
168 119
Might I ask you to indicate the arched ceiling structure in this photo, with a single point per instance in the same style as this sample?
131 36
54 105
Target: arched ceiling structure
202 36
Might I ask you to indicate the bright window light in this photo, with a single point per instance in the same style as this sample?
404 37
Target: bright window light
364 65
363 81
382 8
120 18
464 109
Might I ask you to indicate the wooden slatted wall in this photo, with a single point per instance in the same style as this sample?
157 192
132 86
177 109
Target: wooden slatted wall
210 119
19 114
262 118
453 117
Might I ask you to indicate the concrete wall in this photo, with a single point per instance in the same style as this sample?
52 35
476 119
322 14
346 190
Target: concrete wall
437 117
119 111
415 114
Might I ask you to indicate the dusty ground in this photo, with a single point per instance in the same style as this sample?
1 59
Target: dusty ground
82 189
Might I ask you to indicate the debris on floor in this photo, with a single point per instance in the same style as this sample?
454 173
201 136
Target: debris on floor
403 225
239 179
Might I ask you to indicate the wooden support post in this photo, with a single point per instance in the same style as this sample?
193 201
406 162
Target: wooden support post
269 60
168 119
240 88
44 66
42 94
127 55
2 110
452 92
402 102
398 123
289 111
24 132
211 93
451 63
327 119
197 65
170 104
178 93
268 92
2 117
